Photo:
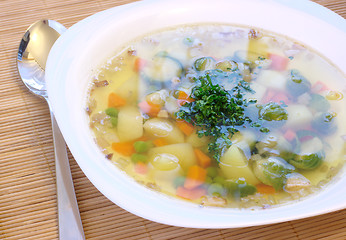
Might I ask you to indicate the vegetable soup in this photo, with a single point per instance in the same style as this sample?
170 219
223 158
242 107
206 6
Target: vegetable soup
221 115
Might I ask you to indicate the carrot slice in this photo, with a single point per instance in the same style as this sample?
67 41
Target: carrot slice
183 98
115 100
159 142
203 159
265 189
139 64
141 168
191 194
124 148
195 177
185 127
149 108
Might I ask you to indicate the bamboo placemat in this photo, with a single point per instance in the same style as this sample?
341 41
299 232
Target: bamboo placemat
27 172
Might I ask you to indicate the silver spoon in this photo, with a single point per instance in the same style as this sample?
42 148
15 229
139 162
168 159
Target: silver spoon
31 62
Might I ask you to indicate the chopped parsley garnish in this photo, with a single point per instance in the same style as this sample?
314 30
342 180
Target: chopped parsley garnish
217 112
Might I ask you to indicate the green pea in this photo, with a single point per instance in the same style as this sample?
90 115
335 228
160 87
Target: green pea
137 157
114 121
112 112
219 179
141 146
216 189
208 180
211 172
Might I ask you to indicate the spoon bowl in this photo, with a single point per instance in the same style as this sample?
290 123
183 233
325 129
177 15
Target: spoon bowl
33 51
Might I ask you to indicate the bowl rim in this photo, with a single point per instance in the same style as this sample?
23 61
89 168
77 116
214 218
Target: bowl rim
130 195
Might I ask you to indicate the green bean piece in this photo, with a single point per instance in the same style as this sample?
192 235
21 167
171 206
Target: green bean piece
112 112
137 157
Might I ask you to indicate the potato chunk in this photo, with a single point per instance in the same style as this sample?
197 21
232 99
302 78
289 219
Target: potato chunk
130 124
183 151
234 165
163 128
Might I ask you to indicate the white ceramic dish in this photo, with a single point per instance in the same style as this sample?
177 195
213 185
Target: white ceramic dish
89 43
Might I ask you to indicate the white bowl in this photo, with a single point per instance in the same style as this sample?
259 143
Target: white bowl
89 43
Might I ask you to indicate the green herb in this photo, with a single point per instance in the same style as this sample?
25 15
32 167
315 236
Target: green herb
217 112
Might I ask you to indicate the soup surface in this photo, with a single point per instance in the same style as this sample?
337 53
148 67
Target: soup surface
221 115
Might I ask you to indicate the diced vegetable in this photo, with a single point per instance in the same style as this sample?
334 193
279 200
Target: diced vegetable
272 79
137 157
234 165
204 63
265 189
149 108
227 65
112 112
272 112
216 189
295 182
139 64
164 161
162 68
298 116
272 171
115 100
183 151
319 103
197 141
191 194
185 127
325 123
157 98
164 129
203 159
240 188
212 172
141 168
124 148
297 84
279 63
142 146
311 155
159 142
195 177
130 124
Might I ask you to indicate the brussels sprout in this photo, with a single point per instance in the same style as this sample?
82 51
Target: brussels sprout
324 123
227 65
240 188
297 84
272 171
204 63
307 161
319 103
272 112
311 155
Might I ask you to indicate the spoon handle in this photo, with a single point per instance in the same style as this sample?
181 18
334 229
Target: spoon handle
70 225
